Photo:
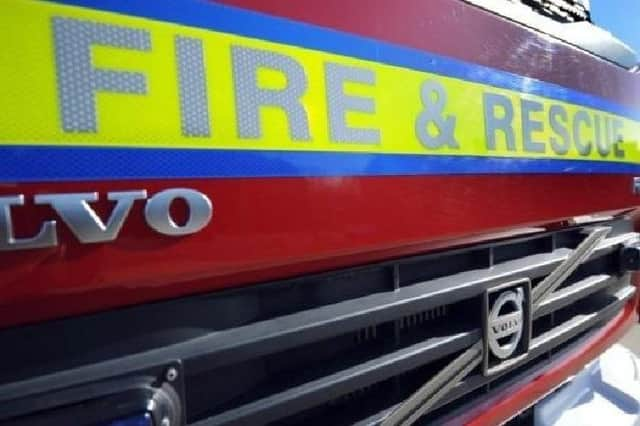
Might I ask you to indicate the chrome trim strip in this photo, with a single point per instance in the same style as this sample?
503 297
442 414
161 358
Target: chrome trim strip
421 401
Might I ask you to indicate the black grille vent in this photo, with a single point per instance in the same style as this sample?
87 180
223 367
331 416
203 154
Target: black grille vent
561 10
335 348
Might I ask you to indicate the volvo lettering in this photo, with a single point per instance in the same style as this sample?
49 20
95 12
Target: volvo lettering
75 210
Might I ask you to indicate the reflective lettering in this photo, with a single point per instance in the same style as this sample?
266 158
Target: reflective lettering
529 125
250 98
581 119
192 84
78 80
494 122
339 103
434 98
616 132
602 141
558 119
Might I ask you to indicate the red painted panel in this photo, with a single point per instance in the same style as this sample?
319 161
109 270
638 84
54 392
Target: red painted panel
273 228
460 30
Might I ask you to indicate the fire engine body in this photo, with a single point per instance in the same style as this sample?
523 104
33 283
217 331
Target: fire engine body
183 181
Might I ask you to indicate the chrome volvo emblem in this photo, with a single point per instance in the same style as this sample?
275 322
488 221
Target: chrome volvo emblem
506 321
75 210
506 324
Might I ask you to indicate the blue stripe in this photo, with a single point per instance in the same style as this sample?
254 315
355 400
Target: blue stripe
207 15
39 163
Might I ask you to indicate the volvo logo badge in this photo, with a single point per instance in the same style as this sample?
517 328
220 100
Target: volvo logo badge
507 324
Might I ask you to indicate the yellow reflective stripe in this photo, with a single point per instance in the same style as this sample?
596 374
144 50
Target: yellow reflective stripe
31 112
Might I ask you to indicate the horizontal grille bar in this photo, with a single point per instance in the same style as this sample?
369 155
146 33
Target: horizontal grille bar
342 382
579 322
577 291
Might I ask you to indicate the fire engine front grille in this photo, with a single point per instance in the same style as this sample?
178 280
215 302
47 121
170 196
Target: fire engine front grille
337 348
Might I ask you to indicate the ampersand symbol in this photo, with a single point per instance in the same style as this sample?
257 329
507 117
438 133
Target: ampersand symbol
434 98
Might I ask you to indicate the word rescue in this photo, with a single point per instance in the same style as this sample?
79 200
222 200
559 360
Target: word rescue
120 81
